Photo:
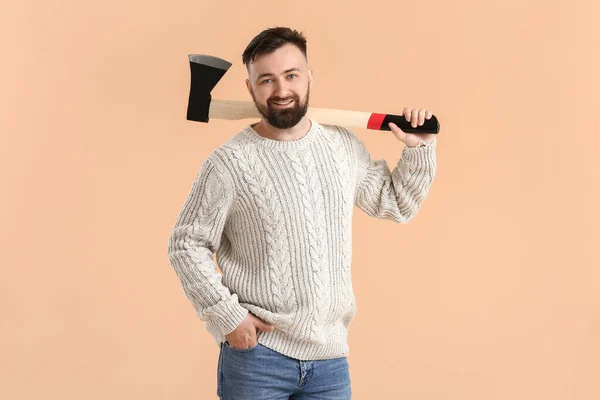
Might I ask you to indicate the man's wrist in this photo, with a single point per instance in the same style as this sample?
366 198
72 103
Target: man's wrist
421 143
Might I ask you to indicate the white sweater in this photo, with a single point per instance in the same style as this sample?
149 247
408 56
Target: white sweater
277 216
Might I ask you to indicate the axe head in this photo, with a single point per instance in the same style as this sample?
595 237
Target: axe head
206 72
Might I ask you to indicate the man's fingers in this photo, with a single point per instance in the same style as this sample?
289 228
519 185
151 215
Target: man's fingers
422 112
416 116
263 326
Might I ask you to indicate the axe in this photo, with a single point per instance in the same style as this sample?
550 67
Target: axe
207 71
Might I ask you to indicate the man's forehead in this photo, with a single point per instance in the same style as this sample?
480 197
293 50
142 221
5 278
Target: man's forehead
280 60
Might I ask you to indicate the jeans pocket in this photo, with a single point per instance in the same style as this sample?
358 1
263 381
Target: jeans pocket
237 350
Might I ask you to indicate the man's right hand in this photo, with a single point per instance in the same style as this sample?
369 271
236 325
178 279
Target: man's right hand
244 336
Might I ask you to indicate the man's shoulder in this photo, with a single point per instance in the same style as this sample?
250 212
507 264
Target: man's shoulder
227 153
338 132
231 144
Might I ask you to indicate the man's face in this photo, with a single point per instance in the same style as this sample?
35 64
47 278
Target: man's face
279 84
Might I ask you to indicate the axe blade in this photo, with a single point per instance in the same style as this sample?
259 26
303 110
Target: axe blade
206 72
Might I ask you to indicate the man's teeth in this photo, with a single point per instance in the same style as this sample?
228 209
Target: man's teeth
283 103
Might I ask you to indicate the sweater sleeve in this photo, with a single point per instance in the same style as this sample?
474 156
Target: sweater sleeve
193 242
398 194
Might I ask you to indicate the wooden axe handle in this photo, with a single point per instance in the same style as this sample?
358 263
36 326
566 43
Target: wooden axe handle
236 109
232 109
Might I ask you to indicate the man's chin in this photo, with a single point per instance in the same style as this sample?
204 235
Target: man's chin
285 119
279 124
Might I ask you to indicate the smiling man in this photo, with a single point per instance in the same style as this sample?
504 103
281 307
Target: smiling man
275 81
274 204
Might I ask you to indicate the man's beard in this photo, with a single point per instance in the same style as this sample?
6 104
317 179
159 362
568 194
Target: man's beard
283 118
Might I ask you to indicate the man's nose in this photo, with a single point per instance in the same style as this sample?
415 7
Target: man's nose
282 89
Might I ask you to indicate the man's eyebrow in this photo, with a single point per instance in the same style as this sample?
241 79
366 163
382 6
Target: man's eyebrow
284 72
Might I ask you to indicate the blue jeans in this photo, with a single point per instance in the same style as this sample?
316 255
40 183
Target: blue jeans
259 373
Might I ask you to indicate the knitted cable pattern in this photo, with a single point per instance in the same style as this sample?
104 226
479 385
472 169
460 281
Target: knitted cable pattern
304 167
335 142
271 215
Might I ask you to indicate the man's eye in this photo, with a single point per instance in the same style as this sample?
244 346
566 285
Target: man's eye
266 81
292 75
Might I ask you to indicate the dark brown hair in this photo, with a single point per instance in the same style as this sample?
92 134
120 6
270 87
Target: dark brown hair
270 40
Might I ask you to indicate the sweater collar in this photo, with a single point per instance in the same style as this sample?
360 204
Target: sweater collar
304 141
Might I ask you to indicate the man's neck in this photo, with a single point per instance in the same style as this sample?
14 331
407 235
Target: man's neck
264 129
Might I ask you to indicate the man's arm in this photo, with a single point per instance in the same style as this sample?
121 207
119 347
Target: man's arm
398 194
195 238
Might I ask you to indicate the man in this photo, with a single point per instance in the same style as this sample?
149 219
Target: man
274 203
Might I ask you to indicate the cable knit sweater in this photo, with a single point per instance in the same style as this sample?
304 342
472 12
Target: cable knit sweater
276 217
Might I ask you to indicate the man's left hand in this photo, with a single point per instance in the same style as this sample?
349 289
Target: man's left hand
416 117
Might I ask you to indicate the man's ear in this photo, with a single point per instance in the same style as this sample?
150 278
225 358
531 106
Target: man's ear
248 86
311 74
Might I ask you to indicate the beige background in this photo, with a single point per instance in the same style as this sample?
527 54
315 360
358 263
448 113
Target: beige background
491 292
